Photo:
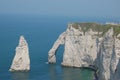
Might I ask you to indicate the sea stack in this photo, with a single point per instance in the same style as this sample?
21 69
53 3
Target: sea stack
21 61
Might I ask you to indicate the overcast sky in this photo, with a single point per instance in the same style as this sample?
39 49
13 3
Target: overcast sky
61 7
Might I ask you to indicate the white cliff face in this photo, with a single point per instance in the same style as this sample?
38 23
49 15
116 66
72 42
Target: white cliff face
106 56
80 48
90 48
109 55
117 47
21 61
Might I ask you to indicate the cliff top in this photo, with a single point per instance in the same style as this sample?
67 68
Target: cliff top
97 27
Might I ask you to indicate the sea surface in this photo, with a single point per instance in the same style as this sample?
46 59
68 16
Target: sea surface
40 33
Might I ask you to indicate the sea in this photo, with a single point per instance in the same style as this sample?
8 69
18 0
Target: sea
40 31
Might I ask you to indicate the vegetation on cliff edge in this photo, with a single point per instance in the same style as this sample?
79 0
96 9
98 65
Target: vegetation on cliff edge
97 27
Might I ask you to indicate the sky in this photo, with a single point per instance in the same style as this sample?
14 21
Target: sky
61 7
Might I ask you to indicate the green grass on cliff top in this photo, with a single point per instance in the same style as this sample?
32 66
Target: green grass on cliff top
97 27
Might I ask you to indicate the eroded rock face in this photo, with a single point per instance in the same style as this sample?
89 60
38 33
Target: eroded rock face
107 58
94 47
80 47
117 48
21 61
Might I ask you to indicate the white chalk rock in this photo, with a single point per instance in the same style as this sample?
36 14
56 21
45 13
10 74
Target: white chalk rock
60 41
80 47
106 56
21 61
92 46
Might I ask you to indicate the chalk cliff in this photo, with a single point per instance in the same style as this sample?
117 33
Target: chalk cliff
90 45
81 46
81 53
107 58
21 61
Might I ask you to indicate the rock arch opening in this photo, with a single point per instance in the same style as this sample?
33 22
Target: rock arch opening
59 54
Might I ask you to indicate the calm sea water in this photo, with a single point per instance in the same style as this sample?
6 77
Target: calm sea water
40 33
